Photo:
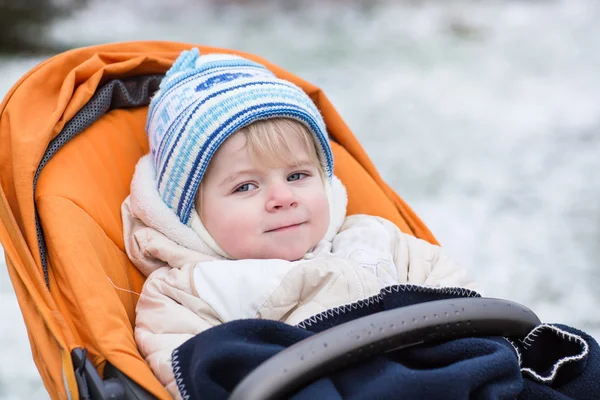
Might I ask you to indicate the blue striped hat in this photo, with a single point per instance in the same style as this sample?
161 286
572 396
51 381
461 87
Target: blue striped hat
205 99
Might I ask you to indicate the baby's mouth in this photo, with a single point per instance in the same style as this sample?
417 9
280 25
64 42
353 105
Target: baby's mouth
285 228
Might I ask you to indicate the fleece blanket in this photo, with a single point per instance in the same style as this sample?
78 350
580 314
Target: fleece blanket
551 362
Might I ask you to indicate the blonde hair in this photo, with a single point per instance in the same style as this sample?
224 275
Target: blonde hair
268 142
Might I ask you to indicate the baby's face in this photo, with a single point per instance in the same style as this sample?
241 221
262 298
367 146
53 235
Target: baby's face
254 211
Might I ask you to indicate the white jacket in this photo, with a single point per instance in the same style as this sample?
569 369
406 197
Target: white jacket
190 287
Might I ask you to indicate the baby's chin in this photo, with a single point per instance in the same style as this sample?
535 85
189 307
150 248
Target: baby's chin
288 254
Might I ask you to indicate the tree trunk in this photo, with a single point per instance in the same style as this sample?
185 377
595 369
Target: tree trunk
23 24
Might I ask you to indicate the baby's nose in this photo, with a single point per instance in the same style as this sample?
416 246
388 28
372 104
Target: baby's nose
281 197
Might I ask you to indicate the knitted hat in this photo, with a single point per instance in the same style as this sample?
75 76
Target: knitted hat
202 101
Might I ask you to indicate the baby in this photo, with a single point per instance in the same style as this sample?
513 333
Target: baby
236 213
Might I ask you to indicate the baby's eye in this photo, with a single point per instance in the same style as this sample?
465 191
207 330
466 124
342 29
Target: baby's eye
246 187
296 176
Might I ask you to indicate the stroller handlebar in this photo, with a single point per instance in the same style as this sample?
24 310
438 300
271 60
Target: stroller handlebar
386 331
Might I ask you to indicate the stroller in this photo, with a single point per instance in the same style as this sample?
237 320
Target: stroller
72 131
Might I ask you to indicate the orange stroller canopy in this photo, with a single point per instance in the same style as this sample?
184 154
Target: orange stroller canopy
72 131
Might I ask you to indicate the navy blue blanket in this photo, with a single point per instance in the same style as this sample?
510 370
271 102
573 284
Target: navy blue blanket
552 362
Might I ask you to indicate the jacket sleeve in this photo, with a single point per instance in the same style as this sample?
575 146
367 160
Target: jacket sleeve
168 313
415 260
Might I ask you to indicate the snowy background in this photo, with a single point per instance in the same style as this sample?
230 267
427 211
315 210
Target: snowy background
483 115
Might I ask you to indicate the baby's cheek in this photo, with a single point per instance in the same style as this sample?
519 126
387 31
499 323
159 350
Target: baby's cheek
322 212
236 234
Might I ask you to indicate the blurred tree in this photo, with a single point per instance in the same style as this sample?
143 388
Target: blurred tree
23 24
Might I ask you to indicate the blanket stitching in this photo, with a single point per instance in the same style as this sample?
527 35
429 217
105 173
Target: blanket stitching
516 348
565 335
332 312
177 372
529 339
